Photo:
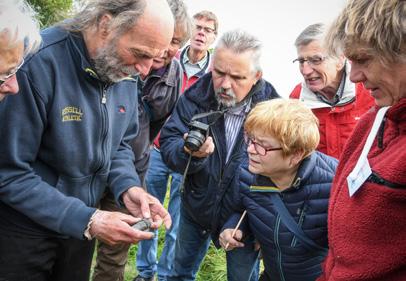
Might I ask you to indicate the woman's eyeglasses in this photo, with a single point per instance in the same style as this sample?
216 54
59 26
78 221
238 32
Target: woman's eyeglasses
258 147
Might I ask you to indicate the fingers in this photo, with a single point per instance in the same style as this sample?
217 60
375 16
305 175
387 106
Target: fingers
114 228
138 201
160 215
228 241
206 149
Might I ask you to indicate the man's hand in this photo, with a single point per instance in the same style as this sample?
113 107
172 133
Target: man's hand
143 205
205 150
228 242
115 227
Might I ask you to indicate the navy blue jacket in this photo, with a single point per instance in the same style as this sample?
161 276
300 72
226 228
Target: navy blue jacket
285 257
208 195
64 139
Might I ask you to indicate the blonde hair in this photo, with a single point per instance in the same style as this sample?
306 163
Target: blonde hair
289 121
378 25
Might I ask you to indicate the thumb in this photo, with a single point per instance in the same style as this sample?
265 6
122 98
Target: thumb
238 235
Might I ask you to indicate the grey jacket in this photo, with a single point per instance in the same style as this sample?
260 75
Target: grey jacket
157 99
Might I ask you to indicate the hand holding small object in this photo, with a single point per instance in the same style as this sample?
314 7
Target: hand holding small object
236 228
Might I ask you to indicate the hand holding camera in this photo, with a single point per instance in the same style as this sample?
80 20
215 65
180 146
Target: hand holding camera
206 147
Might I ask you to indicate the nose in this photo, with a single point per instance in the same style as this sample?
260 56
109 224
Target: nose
10 86
306 69
144 66
226 82
251 148
356 74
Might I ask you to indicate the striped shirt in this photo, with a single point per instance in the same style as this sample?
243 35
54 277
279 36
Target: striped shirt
233 122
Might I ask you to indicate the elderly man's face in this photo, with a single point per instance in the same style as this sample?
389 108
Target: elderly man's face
132 53
233 76
179 36
324 74
11 58
387 82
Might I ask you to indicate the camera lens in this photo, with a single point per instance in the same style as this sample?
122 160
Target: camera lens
194 140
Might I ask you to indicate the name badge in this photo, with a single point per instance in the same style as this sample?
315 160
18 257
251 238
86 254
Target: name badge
357 178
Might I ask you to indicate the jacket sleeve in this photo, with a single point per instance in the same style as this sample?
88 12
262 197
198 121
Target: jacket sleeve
172 141
24 119
123 174
162 100
232 221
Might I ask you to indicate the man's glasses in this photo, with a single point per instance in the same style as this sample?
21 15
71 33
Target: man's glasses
315 60
206 29
4 78
258 148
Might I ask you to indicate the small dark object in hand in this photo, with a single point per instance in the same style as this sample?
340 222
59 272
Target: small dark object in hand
142 225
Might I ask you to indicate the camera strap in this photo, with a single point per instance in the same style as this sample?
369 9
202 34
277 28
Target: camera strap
217 114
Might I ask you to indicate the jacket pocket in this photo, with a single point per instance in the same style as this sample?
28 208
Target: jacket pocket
89 189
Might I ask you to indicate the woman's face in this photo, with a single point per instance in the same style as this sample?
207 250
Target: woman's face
387 83
273 163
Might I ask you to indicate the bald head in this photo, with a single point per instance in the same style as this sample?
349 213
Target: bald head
124 42
157 23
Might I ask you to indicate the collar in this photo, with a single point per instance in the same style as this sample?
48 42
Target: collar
201 64
166 74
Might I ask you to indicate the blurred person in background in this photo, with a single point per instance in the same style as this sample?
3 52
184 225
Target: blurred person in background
327 90
367 208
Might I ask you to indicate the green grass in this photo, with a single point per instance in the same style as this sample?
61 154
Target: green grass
213 267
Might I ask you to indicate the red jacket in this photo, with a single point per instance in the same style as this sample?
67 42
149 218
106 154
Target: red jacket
367 232
337 122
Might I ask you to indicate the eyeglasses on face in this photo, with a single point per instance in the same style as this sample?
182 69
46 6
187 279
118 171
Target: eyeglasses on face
258 147
5 77
206 29
314 60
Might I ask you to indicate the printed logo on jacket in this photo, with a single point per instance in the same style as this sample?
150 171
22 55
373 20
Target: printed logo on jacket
72 113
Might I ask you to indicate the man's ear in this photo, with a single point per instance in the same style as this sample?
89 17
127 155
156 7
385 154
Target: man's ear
258 76
104 25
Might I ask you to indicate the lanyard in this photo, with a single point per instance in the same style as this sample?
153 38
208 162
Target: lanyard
362 169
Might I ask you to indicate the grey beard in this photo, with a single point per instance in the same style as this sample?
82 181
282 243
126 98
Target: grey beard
109 66
223 102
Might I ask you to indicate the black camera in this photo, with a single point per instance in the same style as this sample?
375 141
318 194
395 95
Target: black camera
197 135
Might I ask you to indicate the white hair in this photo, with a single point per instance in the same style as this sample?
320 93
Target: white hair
17 18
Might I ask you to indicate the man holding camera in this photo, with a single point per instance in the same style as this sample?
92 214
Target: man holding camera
233 87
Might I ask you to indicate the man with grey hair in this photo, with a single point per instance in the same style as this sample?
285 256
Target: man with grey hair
327 90
18 38
233 87
78 108
157 96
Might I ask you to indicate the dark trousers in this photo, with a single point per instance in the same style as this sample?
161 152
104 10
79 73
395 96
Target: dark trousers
44 259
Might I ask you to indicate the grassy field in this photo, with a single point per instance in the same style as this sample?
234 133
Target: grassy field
213 267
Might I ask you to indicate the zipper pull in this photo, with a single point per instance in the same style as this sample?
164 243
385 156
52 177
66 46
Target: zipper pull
104 97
